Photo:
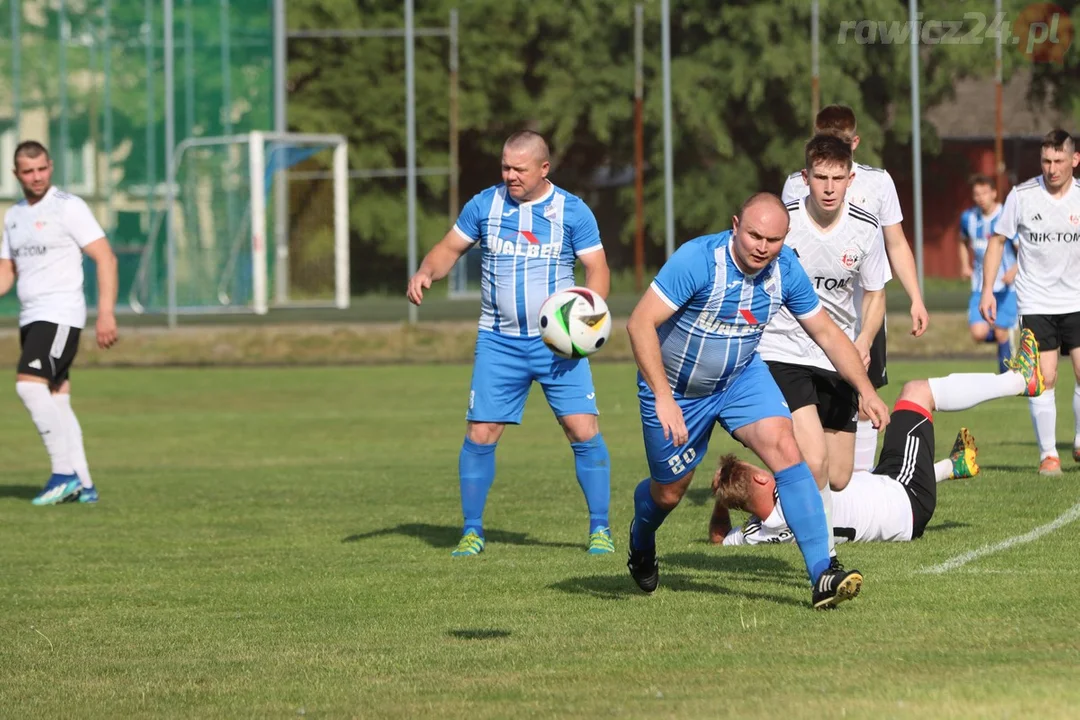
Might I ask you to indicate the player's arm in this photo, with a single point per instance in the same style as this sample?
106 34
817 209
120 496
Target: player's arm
1005 228
845 358
649 314
597 273
105 259
437 264
7 275
965 257
872 318
1010 274
903 265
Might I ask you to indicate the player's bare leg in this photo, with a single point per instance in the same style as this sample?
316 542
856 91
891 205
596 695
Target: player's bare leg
592 464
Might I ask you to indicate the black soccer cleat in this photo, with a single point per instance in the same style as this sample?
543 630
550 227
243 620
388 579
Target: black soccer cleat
836 586
642 565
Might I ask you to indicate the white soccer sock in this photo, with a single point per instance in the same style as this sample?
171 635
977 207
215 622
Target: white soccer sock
1076 415
826 500
1044 418
943 469
865 445
46 416
75 439
961 391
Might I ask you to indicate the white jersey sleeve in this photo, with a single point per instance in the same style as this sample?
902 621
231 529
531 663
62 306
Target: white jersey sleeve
795 188
80 222
1048 232
889 212
5 243
755 531
1006 224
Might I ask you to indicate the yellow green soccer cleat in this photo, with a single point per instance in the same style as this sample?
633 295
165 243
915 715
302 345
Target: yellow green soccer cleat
470 544
963 456
600 542
1026 362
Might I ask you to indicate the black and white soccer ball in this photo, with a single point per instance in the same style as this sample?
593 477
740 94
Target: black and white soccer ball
575 322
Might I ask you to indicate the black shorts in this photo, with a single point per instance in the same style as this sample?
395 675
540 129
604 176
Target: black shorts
1054 331
48 350
802 385
907 456
878 370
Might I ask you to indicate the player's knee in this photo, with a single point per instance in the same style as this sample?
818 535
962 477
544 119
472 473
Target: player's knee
917 392
484 433
979 331
668 495
580 428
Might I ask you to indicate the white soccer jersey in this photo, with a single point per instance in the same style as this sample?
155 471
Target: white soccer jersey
872 508
851 253
872 189
1047 231
45 240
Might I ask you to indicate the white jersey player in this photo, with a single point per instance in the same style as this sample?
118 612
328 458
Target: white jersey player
897 499
873 190
1042 215
45 238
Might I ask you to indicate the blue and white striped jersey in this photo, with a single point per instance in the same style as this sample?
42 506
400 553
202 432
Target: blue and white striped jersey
529 250
976 229
720 312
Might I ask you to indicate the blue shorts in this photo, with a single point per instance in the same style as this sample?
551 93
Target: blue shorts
503 372
750 397
1006 309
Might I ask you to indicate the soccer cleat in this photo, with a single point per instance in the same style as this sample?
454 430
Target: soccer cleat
1026 362
59 488
1050 466
642 565
964 456
470 544
88 495
835 565
836 586
600 542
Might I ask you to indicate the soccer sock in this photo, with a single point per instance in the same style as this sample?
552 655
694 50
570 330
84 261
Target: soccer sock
991 336
1004 354
865 445
476 469
46 416
648 517
74 438
1044 418
943 470
593 466
1076 415
826 501
805 516
961 391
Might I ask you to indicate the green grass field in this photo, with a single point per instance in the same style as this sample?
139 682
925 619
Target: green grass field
276 543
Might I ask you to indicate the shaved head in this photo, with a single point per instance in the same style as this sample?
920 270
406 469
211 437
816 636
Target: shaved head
760 229
767 201
531 142
525 165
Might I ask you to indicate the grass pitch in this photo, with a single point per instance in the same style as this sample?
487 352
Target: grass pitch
276 543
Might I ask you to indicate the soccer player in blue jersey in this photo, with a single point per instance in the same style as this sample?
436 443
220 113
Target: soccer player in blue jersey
694 334
531 233
976 228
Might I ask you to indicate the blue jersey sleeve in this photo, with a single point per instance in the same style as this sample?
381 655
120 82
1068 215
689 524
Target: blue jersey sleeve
584 232
798 296
964 225
468 222
685 272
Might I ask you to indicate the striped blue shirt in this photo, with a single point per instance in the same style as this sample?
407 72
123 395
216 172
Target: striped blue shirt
977 228
721 312
528 252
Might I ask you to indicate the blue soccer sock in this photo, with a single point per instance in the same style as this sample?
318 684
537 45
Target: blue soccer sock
805 516
593 466
991 336
648 517
1004 354
476 470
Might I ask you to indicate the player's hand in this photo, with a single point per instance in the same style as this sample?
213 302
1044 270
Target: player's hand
863 346
920 319
419 282
965 272
106 330
670 416
874 408
988 307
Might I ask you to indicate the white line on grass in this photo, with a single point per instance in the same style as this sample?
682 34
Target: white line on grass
1064 519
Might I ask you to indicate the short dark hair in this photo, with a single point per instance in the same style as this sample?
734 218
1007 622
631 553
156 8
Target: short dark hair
529 137
827 149
981 179
731 482
836 120
30 149
1058 139
759 197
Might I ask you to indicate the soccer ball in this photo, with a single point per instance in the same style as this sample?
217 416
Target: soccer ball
575 322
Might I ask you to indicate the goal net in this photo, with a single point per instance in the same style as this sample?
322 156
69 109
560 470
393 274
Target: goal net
249 223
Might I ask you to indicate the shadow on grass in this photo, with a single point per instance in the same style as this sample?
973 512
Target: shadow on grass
610 587
699 496
745 566
447 536
19 492
478 633
1064 448
1032 468
947 525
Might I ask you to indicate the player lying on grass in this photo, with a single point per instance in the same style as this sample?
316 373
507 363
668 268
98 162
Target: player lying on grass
896 500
